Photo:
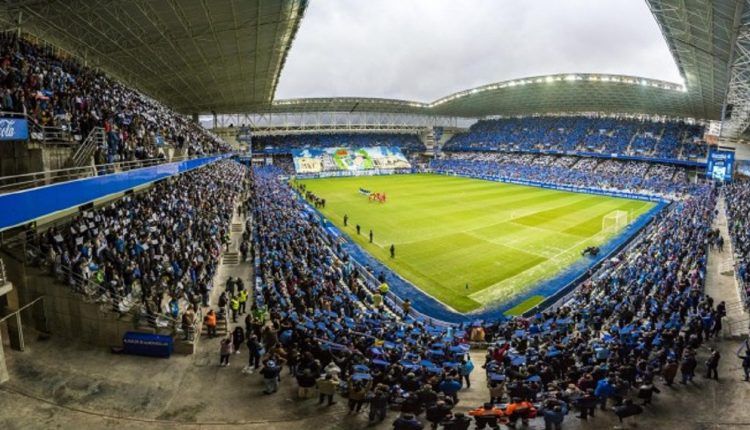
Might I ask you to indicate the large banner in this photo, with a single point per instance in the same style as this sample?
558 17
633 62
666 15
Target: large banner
720 165
317 160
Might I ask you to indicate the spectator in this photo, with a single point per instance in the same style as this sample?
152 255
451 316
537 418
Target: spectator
270 373
487 416
407 422
225 350
626 410
327 388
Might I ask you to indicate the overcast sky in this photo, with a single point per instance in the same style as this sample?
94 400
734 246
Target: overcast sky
425 49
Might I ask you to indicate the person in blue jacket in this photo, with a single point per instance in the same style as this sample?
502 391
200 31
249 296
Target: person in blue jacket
467 366
603 391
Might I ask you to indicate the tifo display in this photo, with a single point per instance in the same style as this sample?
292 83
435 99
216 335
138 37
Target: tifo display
317 160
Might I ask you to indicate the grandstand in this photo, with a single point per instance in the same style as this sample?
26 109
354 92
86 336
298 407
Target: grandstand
550 244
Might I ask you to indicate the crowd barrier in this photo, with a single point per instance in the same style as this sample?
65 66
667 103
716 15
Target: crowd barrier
35 203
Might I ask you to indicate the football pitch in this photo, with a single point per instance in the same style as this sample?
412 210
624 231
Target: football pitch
470 242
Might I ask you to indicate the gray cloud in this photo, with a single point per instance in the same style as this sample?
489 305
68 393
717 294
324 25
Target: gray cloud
425 49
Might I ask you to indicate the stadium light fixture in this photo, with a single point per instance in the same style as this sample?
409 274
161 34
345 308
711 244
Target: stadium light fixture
549 79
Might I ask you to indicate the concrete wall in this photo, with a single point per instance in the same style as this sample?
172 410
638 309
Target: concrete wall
65 313
17 158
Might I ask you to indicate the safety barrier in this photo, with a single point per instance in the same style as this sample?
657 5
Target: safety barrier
48 177
42 201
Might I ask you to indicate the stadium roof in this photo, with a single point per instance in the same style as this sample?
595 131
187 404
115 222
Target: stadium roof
541 94
199 56
700 34
193 55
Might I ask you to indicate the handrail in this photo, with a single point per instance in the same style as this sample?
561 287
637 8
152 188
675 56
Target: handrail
87 148
46 132
22 308
3 276
87 288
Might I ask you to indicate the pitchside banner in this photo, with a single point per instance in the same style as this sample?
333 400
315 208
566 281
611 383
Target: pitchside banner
720 164
317 160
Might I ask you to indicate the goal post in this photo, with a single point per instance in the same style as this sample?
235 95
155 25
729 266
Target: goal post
614 221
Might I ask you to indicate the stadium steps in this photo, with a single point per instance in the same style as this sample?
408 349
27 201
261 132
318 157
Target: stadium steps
230 258
721 280
221 328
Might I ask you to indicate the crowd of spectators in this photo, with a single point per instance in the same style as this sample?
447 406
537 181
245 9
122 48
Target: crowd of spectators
57 91
157 249
665 140
738 207
640 319
409 143
606 174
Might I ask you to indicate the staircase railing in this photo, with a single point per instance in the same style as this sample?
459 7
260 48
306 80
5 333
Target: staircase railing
3 276
92 292
86 149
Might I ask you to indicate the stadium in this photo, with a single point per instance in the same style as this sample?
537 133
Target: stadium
290 214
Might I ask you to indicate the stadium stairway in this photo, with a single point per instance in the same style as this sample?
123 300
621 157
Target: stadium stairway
721 281
231 265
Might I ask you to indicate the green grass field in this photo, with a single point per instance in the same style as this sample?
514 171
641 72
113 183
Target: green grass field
449 231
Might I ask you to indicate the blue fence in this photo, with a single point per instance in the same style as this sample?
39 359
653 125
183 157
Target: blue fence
24 206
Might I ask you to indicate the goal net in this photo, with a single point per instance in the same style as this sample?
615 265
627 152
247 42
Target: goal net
614 222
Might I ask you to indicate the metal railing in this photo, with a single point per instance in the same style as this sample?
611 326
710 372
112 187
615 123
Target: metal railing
19 323
43 134
3 276
36 179
92 292
86 149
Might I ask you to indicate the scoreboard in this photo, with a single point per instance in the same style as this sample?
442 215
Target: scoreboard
720 165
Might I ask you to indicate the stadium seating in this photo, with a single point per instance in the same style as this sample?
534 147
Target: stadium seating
657 140
738 206
633 176
409 143
151 249
323 307
59 92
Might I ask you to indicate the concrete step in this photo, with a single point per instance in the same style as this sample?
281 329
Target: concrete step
237 228
230 258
